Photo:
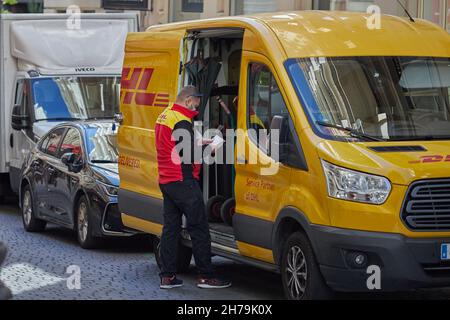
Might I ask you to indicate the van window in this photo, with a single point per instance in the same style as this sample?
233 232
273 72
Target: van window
72 144
266 103
52 142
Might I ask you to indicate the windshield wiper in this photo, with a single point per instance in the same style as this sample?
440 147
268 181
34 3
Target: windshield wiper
59 119
103 161
101 118
354 133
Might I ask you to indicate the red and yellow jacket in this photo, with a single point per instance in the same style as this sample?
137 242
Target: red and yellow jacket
170 163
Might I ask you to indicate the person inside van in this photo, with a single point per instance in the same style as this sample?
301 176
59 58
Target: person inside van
179 184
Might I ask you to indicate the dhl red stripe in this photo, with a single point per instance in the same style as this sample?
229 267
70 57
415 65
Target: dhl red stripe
131 83
146 77
146 99
128 98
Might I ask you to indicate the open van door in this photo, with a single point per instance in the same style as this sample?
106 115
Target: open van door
150 83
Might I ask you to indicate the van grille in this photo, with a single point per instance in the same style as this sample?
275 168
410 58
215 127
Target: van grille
427 206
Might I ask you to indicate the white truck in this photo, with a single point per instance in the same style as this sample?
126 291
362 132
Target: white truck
55 68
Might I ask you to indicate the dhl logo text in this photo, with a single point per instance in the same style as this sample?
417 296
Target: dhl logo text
134 85
432 159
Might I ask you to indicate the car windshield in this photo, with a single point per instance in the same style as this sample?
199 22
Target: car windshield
102 143
66 98
384 98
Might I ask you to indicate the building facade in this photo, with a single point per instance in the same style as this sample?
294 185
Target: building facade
164 11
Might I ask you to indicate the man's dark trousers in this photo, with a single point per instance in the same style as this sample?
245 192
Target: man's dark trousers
185 197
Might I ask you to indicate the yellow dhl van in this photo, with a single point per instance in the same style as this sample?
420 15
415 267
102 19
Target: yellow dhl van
361 197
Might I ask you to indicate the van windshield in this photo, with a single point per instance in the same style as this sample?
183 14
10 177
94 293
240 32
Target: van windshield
379 98
66 98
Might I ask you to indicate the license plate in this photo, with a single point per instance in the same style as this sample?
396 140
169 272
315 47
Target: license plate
445 251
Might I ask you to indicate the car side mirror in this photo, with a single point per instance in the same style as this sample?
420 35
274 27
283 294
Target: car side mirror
279 139
19 121
70 160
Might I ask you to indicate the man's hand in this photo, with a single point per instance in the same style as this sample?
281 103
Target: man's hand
206 142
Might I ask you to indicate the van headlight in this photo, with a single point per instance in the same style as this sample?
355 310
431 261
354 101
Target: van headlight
351 185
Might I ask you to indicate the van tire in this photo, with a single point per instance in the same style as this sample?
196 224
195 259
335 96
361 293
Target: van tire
29 220
183 260
311 282
83 216
213 207
227 211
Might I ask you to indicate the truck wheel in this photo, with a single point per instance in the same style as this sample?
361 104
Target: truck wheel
184 256
29 220
227 211
213 208
84 225
300 273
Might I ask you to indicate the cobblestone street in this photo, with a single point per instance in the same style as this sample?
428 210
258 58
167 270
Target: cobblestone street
36 268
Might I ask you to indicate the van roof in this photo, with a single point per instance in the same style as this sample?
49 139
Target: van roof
318 33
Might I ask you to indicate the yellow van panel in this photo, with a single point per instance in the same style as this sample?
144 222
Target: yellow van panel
255 252
142 225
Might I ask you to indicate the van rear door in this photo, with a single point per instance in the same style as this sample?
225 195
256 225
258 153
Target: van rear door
150 83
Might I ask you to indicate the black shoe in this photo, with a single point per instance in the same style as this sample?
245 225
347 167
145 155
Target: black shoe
170 282
213 283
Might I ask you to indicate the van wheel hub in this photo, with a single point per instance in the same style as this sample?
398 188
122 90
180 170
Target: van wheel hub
297 272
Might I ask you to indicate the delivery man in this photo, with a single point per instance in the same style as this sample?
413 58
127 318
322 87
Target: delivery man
179 183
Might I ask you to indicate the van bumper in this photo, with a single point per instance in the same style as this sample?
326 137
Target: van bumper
405 263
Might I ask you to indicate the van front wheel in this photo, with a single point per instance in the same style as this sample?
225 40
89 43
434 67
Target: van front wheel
300 273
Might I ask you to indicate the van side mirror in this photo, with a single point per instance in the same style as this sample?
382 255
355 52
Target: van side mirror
280 125
19 121
70 160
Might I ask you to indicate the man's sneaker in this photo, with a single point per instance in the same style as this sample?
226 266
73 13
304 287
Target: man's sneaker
170 282
213 283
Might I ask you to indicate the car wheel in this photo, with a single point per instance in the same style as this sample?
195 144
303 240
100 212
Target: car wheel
300 272
184 256
84 225
30 222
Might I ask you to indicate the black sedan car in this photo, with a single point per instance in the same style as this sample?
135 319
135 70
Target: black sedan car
71 179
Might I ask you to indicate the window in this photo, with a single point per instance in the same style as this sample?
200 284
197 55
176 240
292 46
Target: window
267 111
72 144
51 143
192 6
433 10
22 98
